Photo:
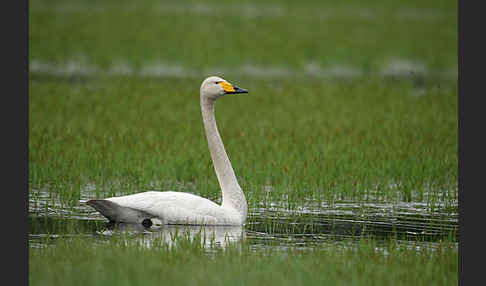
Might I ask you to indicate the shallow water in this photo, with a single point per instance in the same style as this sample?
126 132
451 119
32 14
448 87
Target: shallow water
311 226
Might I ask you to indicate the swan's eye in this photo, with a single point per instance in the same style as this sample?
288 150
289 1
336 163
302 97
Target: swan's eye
217 82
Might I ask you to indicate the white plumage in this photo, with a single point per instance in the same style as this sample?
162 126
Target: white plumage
185 208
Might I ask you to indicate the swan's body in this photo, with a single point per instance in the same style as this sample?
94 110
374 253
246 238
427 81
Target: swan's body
185 208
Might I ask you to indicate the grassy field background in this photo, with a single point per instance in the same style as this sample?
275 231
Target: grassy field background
205 34
350 101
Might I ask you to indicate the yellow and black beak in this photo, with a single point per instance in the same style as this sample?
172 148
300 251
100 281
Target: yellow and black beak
231 89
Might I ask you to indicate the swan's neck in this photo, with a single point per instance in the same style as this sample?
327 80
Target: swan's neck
233 196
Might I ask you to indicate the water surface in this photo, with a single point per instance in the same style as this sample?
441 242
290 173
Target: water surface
310 226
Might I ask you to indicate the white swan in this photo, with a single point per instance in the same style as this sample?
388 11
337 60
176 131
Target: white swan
185 208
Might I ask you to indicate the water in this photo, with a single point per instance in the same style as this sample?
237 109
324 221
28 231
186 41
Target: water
313 225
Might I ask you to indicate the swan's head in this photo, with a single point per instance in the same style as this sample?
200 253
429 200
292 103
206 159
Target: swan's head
214 87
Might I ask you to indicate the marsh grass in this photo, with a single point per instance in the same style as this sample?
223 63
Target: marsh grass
121 115
290 139
114 262
293 141
290 143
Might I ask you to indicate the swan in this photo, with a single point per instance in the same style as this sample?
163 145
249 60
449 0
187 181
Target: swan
185 208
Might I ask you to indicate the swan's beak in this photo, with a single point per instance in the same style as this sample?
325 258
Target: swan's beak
231 89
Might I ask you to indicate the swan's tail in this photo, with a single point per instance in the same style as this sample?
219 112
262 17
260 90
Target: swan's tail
106 208
116 213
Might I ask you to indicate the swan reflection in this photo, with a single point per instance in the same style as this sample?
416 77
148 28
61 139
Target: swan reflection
208 235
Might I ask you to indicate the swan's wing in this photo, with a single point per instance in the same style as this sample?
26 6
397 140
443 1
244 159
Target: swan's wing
172 207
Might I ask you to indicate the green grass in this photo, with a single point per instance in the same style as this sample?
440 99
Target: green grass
292 140
114 263
106 32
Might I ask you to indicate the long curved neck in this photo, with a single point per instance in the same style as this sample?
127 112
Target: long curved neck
233 196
